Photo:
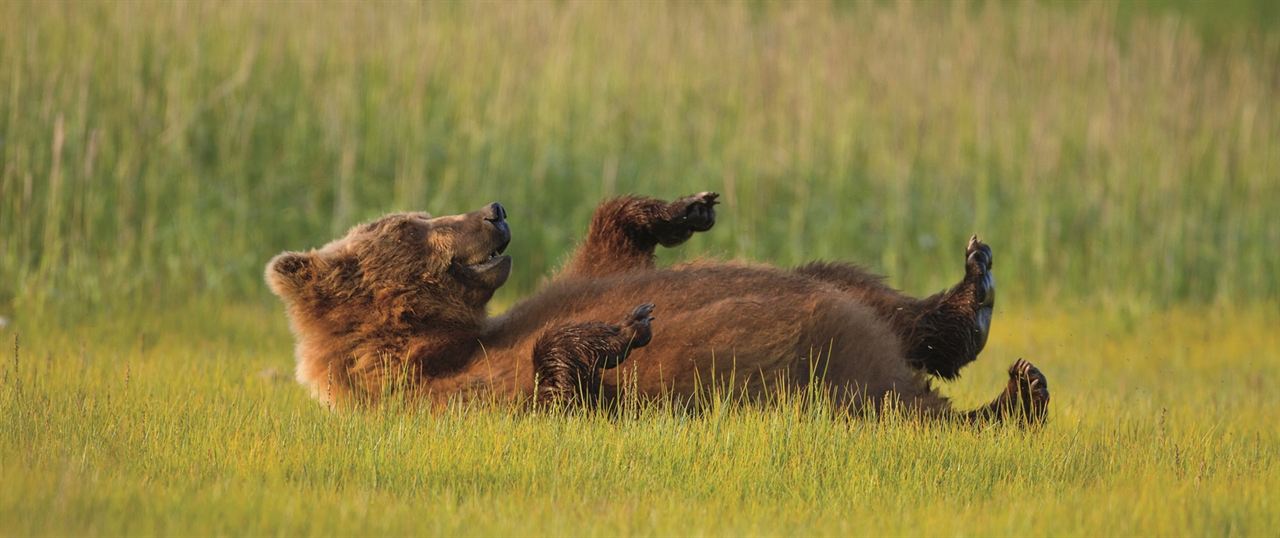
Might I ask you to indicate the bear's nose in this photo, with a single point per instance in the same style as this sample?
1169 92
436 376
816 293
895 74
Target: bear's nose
497 213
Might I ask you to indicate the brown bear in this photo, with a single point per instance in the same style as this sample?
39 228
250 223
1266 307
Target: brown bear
398 305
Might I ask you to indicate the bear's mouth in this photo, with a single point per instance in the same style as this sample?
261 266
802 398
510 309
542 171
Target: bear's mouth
485 266
488 270
485 262
489 262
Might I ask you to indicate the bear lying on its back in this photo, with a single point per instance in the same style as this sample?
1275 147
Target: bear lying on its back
399 304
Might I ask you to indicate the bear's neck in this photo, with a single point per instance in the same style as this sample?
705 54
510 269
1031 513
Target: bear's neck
443 353
441 350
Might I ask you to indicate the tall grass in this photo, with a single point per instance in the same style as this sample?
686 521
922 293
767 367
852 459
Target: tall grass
150 152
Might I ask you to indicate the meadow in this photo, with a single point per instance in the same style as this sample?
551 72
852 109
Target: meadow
1122 159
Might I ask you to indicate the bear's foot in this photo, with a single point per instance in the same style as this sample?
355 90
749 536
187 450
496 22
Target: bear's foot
636 330
625 231
685 216
1025 399
1026 396
567 360
977 276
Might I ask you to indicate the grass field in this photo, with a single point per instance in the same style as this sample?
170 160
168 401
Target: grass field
1162 423
1123 160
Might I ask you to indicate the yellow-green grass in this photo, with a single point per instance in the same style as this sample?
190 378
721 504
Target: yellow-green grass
1161 423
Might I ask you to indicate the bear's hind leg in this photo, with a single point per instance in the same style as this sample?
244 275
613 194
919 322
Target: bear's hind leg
624 231
1025 398
944 332
567 360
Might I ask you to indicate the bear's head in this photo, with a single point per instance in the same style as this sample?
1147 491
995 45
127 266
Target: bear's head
404 271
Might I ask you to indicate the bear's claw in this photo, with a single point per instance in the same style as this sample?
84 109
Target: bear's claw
1029 390
698 211
978 264
977 274
685 216
638 324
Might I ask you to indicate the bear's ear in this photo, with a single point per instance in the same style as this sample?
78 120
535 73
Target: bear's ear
289 270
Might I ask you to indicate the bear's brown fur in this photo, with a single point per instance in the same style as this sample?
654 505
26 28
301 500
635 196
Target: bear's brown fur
399 304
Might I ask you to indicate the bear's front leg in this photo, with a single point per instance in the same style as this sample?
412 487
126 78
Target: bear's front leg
567 360
624 231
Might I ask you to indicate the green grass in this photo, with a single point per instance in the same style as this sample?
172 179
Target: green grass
169 149
1123 159
1161 423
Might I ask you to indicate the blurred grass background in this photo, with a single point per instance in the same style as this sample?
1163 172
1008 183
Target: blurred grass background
151 153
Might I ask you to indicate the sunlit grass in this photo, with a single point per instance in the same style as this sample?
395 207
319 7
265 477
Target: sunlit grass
1161 423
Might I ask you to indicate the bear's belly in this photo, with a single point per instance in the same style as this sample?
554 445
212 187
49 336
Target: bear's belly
715 325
